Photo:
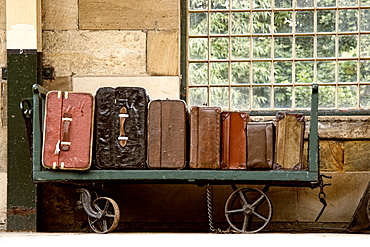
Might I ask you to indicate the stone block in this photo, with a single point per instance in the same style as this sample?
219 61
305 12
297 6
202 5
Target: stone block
357 155
344 127
3 197
331 155
3 144
158 87
128 15
163 53
60 14
59 83
2 14
82 53
3 51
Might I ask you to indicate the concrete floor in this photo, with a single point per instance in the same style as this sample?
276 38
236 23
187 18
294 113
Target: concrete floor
189 240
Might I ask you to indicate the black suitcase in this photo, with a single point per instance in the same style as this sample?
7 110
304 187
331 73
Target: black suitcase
120 127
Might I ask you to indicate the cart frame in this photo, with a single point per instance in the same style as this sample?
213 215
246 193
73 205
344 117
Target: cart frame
310 176
244 203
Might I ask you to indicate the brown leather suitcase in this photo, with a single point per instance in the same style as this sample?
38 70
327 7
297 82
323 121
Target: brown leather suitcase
121 127
260 145
68 130
234 140
205 137
167 120
290 129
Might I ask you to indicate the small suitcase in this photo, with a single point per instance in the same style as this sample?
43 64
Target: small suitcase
68 131
290 129
120 127
234 142
205 137
167 120
260 145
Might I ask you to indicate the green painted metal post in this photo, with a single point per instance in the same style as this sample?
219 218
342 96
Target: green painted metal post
313 162
24 70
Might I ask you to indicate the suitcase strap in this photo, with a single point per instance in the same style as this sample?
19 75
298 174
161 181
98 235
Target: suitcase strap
122 119
66 123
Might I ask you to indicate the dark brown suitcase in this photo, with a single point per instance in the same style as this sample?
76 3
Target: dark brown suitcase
167 120
260 145
121 126
205 137
234 140
290 129
68 131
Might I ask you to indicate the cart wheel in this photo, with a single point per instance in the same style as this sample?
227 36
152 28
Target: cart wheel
107 217
248 210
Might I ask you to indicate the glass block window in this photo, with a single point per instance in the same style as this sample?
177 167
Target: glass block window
265 54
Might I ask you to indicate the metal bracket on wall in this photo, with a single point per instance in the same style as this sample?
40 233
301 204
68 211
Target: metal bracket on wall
4 73
48 72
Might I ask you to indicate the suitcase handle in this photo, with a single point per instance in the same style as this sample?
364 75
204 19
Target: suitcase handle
122 119
66 120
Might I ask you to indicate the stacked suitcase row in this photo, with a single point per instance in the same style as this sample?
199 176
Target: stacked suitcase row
130 131
230 140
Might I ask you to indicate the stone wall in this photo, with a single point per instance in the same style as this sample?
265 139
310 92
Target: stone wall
110 38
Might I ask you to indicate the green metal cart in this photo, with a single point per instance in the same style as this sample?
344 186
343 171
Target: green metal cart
247 210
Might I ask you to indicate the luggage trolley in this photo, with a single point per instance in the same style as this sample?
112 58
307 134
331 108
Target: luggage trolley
247 210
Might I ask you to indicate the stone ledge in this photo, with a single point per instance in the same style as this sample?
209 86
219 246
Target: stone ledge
158 87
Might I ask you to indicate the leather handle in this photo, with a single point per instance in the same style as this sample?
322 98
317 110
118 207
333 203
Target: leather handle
66 123
122 119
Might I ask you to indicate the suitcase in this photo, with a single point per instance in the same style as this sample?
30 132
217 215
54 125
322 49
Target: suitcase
68 131
121 125
205 137
290 129
234 140
167 120
260 145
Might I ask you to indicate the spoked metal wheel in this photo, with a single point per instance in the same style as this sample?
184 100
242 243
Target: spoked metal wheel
248 210
105 216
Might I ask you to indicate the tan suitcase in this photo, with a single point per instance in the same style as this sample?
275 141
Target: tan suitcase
290 129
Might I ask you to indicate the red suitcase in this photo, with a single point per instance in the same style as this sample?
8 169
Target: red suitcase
234 143
68 130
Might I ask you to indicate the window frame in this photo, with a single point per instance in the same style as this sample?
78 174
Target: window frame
185 61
